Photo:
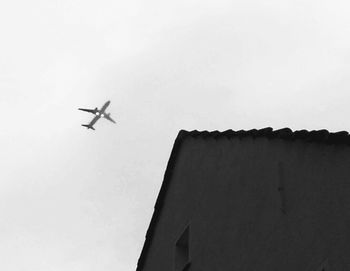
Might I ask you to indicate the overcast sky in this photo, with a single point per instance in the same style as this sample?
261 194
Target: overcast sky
73 199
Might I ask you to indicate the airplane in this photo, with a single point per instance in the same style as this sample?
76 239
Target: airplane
98 114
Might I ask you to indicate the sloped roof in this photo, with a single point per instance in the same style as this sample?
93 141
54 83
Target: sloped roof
315 136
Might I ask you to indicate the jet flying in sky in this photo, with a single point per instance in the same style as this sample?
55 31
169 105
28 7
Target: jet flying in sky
99 113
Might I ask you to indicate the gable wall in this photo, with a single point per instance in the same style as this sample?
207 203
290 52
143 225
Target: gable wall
227 190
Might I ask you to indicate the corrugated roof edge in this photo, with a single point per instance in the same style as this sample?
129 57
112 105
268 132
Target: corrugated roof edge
320 136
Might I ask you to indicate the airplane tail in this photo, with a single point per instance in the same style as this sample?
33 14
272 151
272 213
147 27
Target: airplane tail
88 126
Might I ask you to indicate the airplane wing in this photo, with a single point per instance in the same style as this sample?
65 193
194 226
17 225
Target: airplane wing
93 111
109 118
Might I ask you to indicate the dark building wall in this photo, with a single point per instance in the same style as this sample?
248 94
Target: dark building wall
256 204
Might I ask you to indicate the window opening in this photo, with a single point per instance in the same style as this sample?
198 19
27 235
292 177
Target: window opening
182 253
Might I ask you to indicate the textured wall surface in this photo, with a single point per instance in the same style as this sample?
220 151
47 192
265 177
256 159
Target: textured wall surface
256 204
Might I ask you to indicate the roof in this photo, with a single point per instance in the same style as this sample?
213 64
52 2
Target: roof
315 136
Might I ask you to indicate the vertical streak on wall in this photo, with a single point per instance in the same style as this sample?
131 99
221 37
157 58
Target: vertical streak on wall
281 187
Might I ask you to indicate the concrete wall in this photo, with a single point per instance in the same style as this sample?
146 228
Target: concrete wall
228 191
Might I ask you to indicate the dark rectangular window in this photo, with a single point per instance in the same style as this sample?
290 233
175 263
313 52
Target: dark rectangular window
182 251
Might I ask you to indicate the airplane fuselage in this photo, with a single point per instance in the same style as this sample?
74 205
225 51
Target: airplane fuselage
102 110
101 113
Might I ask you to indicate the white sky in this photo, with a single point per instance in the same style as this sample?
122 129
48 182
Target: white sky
76 199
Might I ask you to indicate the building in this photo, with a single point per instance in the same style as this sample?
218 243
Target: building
253 200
